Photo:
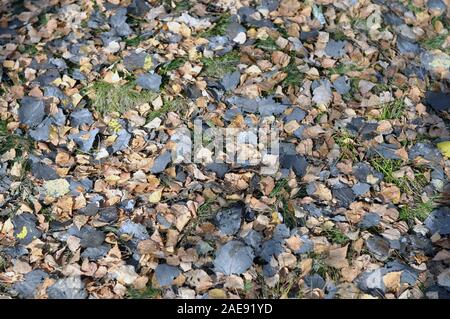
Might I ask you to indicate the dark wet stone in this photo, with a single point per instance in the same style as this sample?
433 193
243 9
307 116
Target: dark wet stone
379 247
309 36
135 60
297 163
122 141
344 195
315 281
439 221
269 270
108 214
95 253
360 188
137 231
342 84
82 116
230 81
165 274
229 219
27 287
31 111
43 171
406 46
91 209
362 170
67 288
150 81
372 282
128 205
90 237
249 215
85 139
426 150
219 168
161 162
335 49
270 248
138 8
233 258
369 220
438 101
48 77
25 228
42 131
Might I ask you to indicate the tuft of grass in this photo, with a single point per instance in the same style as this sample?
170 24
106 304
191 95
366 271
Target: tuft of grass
9 141
106 97
347 145
147 293
321 268
336 236
434 43
29 49
281 193
339 35
219 66
219 28
419 210
267 44
278 188
134 41
344 68
171 65
392 110
168 106
294 76
408 186
413 8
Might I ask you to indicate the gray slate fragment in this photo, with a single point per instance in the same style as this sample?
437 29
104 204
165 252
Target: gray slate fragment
439 221
297 114
161 162
67 288
342 84
27 287
438 6
25 228
229 219
85 139
122 141
42 131
369 220
43 171
150 81
82 116
31 111
406 46
231 80
95 253
118 22
138 231
135 61
372 282
90 237
219 168
335 49
360 188
379 247
165 274
344 195
270 248
233 258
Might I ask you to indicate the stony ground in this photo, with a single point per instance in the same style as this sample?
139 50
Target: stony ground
93 204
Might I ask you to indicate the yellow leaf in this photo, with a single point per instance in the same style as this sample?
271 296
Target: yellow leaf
23 233
148 63
155 197
444 147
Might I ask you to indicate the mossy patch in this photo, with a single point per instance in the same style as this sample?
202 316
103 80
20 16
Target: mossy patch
220 65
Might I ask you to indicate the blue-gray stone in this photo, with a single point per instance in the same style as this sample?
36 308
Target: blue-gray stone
379 247
439 221
343 194
25 228
165 274
369 220
67 288
233 258
342 84
229 219
297 114
42 131
95 253
161 162
372 282
150 81
27 287
122 141
254 239
406 46
90 237
437 5
270 248
231 80
203 248
315 281
118 22
31 111
82 116
219 168
335 49
85 139
137 231
360 188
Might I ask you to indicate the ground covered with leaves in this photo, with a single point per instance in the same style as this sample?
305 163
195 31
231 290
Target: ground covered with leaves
93 204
